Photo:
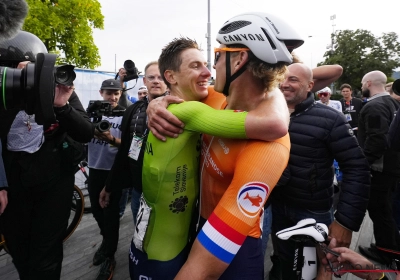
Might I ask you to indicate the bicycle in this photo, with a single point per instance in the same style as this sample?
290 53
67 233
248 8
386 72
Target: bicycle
305 261
81 181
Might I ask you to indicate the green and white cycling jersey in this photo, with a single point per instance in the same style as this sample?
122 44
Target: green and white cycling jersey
171 178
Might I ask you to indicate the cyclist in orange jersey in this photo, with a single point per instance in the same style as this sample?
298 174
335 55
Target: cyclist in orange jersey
238 175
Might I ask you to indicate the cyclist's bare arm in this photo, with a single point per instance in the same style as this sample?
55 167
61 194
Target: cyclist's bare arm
325 75
269 121
201 264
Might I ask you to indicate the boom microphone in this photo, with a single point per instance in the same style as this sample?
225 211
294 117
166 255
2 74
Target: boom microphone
12 16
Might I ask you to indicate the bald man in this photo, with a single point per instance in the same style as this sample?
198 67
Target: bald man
373 128
318 134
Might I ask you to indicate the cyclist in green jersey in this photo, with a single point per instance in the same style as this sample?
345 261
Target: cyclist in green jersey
170 169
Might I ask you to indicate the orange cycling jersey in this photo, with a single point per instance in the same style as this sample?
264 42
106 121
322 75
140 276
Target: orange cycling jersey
237 178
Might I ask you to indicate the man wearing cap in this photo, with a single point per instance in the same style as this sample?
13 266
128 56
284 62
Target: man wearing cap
324 96
101 153
142 92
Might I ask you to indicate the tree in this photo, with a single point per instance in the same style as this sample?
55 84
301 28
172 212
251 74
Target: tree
360 52
65 27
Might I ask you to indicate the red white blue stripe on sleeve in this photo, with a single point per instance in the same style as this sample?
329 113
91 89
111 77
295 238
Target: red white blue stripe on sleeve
220 239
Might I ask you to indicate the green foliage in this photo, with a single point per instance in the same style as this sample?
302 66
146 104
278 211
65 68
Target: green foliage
360 52
65 27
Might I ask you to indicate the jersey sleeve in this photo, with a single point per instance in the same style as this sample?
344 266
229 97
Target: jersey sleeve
258 169
204 119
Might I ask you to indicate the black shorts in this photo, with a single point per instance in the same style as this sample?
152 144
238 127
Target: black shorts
141 268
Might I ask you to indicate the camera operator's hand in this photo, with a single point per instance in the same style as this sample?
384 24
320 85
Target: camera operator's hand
104 198
106 136
122 74
3 201
62 94
22 64
161 121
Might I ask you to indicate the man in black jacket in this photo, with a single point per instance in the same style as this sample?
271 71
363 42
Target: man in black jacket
126 171
40 174
373 136
318 135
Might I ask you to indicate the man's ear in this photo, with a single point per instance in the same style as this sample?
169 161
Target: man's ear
239 60
170 77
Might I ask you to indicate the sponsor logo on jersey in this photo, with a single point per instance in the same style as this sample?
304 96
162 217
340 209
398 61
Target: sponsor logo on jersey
223 146
179 204
251 198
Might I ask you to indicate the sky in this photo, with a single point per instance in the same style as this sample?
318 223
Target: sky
138 30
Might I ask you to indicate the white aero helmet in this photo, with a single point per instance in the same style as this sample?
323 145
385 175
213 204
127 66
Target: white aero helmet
268 37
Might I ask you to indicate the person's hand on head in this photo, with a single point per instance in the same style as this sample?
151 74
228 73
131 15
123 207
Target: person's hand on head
161 122
62 94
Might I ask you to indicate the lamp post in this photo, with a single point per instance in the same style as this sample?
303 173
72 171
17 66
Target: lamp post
208 36
310 36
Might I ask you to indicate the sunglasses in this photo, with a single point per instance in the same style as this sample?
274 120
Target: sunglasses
324 94
217 52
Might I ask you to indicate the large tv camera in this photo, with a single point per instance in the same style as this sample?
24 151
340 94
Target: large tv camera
31 88
131 71
396 87
99 108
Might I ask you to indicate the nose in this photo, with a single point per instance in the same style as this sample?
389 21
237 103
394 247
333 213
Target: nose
284 84
206 72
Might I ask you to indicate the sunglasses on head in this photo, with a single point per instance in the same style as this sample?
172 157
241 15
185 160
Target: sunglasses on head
324 94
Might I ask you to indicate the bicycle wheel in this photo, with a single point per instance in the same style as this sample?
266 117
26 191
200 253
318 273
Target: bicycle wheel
76 212
81 181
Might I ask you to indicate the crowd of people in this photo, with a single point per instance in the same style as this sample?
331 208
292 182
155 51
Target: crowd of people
211 170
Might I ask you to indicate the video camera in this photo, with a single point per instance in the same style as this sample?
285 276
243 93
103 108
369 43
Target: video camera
131 71
99 108
32 88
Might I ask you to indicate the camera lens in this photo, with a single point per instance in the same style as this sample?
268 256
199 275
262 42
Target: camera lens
64 75
16 86
103 126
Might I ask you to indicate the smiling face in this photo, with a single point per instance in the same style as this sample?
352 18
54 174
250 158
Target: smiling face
191 81
111 96
298 82
153 81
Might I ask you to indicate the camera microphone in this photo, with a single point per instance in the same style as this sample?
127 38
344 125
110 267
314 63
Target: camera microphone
12 16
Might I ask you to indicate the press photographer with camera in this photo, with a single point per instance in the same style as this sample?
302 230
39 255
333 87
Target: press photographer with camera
41 120
125 74
101 153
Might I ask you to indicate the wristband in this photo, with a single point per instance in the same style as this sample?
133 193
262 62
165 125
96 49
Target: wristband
112 142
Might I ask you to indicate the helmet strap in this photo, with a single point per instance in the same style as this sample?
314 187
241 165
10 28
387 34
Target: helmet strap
229 79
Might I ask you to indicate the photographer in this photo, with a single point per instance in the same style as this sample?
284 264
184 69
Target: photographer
125 74
39 162
101 153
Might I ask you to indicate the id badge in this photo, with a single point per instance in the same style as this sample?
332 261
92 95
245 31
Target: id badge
135 148
348 117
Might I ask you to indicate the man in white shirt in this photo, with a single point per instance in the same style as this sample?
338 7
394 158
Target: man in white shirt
324 96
